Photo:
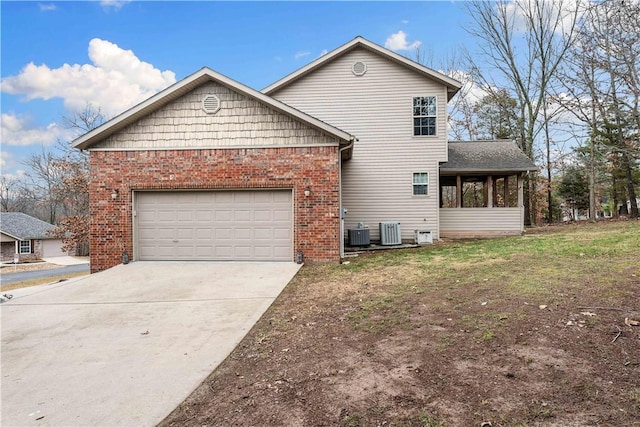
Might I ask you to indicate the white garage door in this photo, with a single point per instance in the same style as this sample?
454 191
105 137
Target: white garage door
215 225
52 248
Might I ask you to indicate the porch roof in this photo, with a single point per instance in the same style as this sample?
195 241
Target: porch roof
483 157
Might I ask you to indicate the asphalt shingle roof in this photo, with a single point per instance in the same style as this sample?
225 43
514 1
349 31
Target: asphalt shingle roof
22 226
486 156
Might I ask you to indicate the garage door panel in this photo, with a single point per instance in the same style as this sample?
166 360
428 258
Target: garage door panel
281 251
244 197
243 252
183 215
159 233
224 233
224 252
186 251
166 217
205 198
204 215
223 197
243 234
282 197
262 215
164 250
243 215
224 225
262 234
282 234
204 252
281 215
203 233
263 252
185 234
223 215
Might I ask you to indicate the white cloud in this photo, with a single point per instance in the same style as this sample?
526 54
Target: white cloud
116 81
299 55
404 21
470 89
116 4
6 160
562 11
18 130
323 52
47 7
398 41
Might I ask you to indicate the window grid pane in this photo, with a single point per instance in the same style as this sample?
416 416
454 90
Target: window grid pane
420 190
420 184
424 115
25 246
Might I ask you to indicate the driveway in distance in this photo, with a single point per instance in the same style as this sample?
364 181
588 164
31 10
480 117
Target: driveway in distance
127 345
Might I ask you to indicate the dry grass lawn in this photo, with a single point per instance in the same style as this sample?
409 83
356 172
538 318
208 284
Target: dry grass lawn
523 331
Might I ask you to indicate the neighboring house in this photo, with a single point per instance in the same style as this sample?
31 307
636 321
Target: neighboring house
211 169
27 238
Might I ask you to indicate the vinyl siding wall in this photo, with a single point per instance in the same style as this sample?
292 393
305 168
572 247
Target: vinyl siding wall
470 222
240 122
377 109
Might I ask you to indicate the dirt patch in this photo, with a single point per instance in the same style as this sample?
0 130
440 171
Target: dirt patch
401 339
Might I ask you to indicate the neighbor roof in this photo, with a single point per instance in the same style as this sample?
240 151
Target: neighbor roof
186 85
453 86
24 227
486 156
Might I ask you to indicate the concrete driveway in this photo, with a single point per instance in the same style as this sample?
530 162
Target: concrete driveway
127 345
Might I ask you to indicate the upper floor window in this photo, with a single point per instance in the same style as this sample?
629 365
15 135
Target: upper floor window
25 246
420 183
424 115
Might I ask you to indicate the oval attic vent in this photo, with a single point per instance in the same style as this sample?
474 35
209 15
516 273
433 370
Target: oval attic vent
211 104
359 68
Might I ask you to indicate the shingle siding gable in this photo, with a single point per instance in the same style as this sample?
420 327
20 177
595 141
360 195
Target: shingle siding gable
241 121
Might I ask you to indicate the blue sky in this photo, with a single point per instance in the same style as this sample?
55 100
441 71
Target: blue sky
59 56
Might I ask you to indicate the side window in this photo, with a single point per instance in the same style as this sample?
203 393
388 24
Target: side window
424 115
420 183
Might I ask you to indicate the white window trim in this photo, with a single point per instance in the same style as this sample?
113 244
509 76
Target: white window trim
436 117
414 184
20 251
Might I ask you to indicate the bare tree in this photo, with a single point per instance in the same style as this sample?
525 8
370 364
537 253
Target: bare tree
83 121
603 86
73 189
10 196
42 177
522 44
55 187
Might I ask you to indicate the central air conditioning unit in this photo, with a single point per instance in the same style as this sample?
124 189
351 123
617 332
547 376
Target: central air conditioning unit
390 233
359 237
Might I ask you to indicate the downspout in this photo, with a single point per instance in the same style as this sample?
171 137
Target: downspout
341 213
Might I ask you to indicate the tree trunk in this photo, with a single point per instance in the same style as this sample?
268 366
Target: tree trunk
631 192
614 197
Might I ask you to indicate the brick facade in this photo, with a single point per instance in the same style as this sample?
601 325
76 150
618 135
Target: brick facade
316 221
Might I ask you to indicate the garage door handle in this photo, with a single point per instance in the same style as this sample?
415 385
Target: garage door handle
175 241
